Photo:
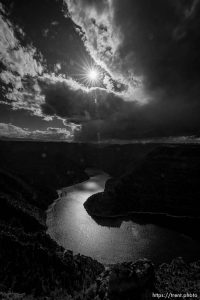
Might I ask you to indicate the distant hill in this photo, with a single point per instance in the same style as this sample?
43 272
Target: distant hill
114 159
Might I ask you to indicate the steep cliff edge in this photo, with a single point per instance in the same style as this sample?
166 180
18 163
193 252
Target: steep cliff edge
166 181
32 265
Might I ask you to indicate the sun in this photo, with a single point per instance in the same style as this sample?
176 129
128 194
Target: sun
88 73
93 75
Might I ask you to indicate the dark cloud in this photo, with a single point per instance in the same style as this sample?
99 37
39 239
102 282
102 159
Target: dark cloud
158 42
79 105
151 121
147 52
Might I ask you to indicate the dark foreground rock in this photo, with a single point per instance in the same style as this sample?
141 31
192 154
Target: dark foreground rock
134 281
31 263
166 181
32 266
124 281
140 280
179 277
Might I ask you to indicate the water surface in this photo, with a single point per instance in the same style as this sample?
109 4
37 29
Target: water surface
70 225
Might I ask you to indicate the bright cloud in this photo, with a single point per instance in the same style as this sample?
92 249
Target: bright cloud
21 65
15 57
51 133
103 38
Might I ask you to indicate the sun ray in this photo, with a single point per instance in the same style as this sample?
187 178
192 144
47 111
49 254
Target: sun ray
87 72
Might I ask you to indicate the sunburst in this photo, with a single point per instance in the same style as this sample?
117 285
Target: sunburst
93 75
88 73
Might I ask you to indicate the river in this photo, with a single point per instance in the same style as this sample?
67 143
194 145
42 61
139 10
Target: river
111 241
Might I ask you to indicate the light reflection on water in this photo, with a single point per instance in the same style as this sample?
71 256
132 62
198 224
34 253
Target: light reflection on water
70 225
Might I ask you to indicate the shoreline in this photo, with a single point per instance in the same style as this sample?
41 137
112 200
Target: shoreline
135 213
183 224
157 218
67 189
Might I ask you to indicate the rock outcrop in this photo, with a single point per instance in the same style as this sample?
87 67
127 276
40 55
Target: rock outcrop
179 277
124 281
166 181
35 265
142 281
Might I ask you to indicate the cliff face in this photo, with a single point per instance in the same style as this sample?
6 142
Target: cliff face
32 265
37 170
73 157
35 267
166 181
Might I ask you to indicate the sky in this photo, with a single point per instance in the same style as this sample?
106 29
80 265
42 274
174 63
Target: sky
145 54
